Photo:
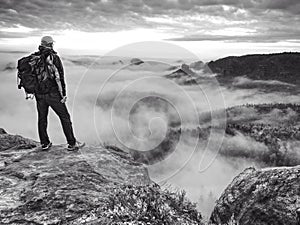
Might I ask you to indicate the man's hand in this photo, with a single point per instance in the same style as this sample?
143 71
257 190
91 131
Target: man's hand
64 99
29 96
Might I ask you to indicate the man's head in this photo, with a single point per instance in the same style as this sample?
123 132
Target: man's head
47 41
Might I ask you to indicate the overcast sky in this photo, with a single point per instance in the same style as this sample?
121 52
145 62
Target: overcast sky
227 26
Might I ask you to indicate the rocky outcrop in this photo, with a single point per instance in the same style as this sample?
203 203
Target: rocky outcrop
119 62
281 66
136 61
95 185
61 187
261 197
9 141
2 131
198 65
184 75
10 66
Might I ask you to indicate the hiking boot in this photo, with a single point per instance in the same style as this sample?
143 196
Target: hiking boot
76 146
46 146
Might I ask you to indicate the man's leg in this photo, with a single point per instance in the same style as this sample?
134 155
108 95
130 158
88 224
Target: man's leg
42 108
61 110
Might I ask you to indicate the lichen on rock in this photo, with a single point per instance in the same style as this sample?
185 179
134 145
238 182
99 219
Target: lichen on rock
8 141
83 187
261 197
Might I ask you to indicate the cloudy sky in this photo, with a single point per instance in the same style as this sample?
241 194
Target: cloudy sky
217 27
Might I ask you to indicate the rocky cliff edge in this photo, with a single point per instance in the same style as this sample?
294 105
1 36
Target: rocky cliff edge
92 186
261 197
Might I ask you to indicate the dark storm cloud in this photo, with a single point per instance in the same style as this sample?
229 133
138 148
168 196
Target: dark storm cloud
272 20
293 6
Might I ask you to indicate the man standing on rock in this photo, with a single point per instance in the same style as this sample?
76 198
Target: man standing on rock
51 91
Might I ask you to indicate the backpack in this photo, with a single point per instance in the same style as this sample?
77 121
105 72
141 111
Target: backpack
28 69
33 74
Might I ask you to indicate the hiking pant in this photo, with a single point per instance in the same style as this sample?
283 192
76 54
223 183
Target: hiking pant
53 100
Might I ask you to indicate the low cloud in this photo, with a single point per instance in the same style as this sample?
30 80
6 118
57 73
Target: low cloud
244 81
91 117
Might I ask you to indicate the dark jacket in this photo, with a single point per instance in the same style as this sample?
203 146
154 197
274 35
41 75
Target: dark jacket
52 86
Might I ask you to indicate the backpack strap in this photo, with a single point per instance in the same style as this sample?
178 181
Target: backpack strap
54 71
19 85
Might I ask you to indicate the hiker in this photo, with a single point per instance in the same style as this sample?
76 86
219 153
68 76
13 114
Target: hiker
50 90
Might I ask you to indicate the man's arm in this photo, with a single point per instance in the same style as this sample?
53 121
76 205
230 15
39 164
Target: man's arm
57 62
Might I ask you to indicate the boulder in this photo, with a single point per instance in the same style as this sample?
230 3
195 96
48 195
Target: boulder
260 197
2 131
8 141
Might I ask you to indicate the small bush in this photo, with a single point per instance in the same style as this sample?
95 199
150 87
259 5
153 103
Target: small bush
150 205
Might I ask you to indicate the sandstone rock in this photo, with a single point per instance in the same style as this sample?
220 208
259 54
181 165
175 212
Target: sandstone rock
61 187
136 61
260 197
184 75
2 131
197 65
94 185
8 141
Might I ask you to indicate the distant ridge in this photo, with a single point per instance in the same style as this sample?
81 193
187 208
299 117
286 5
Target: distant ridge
276 66
14 52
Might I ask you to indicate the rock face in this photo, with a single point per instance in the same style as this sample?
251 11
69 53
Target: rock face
184 75
9 141
95 185
136 61
197 65
282 67
2 131
261 197
61 187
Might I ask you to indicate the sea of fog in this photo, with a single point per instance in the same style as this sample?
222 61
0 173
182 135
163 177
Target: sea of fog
102 93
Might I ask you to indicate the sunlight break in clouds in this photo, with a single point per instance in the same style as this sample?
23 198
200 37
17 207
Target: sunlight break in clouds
17 29
209 29
213 27
72 41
